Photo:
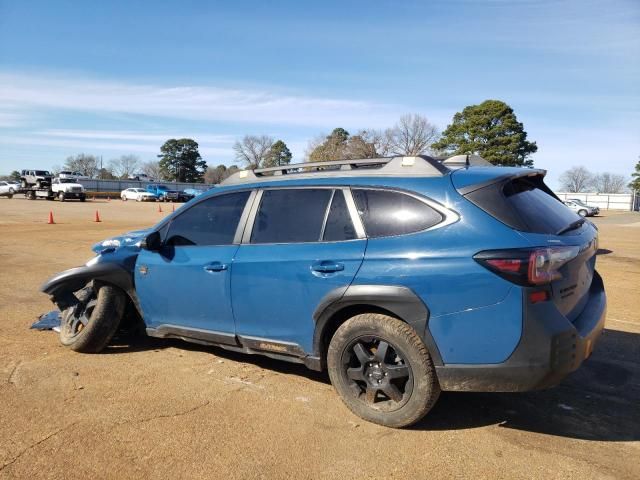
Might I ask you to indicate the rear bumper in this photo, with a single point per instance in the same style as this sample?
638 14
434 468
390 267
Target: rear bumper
550 348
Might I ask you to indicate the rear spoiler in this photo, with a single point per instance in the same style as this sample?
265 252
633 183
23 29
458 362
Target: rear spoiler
526 172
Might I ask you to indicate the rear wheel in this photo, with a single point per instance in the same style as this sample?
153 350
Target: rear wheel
582 213
11 191
89 325
382 370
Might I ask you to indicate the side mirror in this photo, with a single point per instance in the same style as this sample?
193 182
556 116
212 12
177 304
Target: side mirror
152 242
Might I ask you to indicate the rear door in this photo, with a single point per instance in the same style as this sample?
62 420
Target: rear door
302 244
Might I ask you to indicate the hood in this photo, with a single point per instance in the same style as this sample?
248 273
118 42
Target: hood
66 185
129 240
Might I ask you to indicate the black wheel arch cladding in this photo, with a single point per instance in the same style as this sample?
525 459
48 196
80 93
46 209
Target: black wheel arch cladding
400 301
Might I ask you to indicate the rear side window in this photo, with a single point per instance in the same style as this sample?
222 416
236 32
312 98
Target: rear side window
211 222
290 216
386 213
339 225
524 204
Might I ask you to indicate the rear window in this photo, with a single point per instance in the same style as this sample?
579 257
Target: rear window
386 213
525 204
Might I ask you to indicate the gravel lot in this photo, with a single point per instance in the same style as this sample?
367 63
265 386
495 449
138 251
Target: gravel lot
163 409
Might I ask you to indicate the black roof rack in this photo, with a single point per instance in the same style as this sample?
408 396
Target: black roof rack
420 165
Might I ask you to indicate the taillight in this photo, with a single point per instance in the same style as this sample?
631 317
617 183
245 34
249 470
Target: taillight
528 266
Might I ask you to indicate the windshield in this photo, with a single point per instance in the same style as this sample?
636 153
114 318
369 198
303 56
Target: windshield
66 180
43 173
579 202
139 190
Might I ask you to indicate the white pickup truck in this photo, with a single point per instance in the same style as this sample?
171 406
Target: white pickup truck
66 188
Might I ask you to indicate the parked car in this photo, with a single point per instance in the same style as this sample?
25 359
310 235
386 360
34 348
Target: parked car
164 194
143 177
66 174
138 194
402 277
7 189
35 178
581 208
67 188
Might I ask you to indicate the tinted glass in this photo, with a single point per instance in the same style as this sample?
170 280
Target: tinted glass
524 204
339 225
538 211
387 213
290 216
211 222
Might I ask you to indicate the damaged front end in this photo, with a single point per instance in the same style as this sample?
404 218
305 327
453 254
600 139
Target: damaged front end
113 265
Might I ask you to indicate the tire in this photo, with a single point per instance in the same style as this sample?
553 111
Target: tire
355 372
10 195
23 183
89 326
83 198
11 191
124 198
61 196
38 184
583 213
139 199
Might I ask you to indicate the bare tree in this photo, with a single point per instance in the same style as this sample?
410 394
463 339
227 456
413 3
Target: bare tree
219 173
576 179
83 163
412 135
124 166
609 183
151 169
252 151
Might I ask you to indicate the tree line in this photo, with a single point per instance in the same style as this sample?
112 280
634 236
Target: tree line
578 179
489 129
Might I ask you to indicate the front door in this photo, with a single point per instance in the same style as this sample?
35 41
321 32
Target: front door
302 245
187 282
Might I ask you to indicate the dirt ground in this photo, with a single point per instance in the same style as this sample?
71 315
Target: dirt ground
165 409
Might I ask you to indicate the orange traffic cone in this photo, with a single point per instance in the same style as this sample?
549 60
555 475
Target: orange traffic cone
159 208
51 222
97 219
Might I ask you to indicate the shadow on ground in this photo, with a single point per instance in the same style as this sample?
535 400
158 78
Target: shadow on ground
600 401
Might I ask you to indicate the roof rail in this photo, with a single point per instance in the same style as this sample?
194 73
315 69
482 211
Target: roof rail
422 165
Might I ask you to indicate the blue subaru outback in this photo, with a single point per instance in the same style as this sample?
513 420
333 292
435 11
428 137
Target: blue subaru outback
401 276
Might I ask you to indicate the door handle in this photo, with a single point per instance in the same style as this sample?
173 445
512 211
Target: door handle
327 267
215 267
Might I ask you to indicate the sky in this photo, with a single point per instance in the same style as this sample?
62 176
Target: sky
121 77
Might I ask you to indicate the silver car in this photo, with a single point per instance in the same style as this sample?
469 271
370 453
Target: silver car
581 208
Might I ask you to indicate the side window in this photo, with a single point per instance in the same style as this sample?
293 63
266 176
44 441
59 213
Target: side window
290 215
339 225
211 222
386 213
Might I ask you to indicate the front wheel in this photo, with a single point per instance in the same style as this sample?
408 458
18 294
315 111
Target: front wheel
382 370
11 191
61 196
89 325
124 198
582 213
